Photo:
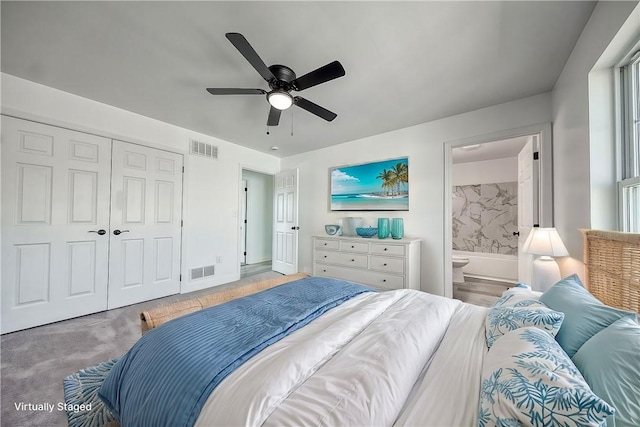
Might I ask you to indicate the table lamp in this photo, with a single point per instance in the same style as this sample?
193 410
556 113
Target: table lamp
547 243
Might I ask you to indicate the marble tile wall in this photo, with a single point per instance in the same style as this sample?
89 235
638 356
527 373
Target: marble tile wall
485 217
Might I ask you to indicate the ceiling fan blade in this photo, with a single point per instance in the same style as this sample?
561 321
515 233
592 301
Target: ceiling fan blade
250 55
274 117
233 91
323 74
314 108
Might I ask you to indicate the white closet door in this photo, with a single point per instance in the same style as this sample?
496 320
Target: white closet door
55 197
146 213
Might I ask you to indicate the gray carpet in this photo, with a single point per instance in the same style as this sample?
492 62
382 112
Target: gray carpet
35 361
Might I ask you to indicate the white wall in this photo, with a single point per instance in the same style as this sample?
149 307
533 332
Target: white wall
424 145
574 197
211 197
485 172
259 216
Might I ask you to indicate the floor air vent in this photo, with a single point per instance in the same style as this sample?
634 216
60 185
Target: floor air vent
205 150
200 272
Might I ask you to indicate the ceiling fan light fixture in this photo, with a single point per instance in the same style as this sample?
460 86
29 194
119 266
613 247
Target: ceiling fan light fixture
280 99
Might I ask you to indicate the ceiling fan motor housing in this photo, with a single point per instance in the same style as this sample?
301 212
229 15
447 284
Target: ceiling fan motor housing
284 76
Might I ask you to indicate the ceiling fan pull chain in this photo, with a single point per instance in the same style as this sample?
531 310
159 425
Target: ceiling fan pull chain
267 129
291 122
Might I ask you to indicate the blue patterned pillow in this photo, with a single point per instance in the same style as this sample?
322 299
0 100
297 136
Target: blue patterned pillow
527 379
506 317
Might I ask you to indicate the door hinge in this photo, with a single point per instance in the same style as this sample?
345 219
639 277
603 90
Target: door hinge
245 188
181 277
183 169
245 221
536 155
181 223
245 254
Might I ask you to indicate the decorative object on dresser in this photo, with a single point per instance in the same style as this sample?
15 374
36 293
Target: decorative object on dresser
397 228
332 229
366 231
383 265
383 228
547 243
349 225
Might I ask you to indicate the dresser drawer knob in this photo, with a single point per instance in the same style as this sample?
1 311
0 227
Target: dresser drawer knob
352 247
324 271
384 280
325 256
325 243
353 260
384 265
385 249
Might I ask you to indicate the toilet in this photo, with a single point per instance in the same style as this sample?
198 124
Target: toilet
458 263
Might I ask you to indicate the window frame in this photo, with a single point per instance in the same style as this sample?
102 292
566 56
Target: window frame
628 118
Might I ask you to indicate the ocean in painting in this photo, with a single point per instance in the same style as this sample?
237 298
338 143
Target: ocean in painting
369 202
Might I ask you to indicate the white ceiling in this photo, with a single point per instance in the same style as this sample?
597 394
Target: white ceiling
501 149
406 62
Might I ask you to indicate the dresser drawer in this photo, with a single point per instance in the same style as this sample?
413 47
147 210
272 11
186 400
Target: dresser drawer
342 258
328 244
379 281
382 249
346 245
387 264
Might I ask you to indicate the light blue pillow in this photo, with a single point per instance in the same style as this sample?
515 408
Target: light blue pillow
584 315
527 379
505 318
610 363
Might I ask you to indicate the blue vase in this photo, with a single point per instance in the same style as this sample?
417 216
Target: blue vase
397 228
383 228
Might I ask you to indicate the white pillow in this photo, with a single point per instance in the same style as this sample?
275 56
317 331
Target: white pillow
527 379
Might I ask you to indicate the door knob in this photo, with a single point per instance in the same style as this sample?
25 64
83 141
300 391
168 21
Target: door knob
118 232
295 228
516 233
100 232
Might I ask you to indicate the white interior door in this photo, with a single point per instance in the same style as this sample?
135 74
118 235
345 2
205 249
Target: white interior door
285 230
146 216
55 197
527 205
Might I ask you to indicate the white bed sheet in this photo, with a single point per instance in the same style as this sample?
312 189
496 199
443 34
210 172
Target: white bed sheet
358 365
447 392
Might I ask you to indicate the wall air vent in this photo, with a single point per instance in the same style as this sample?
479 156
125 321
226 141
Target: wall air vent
201 272
201 149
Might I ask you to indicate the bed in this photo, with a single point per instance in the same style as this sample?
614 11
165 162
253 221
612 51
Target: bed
317 351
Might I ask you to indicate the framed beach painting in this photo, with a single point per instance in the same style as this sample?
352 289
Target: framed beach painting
377 186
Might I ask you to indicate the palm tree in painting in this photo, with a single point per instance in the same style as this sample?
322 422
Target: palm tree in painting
399 175
386 177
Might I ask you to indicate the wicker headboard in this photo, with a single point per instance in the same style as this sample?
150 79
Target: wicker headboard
612 267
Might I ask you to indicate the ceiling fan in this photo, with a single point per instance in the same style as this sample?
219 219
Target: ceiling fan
282 80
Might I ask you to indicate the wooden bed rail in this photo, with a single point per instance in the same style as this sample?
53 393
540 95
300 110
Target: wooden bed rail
612 267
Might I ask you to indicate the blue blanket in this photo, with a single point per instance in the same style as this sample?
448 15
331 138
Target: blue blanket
167 376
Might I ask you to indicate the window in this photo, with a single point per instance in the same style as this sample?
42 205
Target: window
629 184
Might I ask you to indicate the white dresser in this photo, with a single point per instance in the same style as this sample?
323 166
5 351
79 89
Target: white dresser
383 264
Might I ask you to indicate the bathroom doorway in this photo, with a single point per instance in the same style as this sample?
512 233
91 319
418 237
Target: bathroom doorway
256 222
497 187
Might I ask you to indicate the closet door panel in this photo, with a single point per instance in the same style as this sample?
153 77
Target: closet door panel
145 224
55 196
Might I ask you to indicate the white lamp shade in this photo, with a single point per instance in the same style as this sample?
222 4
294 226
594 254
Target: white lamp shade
545 241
